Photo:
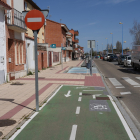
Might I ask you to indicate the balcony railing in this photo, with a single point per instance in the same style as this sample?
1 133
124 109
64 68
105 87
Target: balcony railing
16 18
76 40
76 32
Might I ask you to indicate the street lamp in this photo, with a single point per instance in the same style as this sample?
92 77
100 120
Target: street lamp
122 36
112 42
107 44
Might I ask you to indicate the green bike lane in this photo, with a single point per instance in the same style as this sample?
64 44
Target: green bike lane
87 113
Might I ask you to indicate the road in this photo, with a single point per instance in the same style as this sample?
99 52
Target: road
124 83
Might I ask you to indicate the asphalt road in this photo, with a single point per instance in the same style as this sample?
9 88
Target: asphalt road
128 92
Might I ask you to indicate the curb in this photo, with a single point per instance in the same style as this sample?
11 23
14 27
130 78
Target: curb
130 123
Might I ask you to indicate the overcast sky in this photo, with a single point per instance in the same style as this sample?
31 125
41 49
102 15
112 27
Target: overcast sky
96 19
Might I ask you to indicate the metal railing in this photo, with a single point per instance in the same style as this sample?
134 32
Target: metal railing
14 17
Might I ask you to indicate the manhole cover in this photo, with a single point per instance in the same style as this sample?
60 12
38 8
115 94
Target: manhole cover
7 122
86 94
1 133
102 98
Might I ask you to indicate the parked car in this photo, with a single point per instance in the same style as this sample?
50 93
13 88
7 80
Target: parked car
135 57
105 57
108 55
113 58
121 59
127 61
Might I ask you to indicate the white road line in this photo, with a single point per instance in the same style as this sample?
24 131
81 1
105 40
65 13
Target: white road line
124 93
79 99
34 19
136 86
80 87
115 82
92 90
138 78
129 132
130 81
73 132
80 93
120 87
77 110
94 96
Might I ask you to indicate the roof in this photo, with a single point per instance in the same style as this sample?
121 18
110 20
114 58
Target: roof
33 4
5 5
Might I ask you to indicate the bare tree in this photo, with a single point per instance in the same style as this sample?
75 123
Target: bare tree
135 32
118 46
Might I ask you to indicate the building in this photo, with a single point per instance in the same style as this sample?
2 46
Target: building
15 40
3 59
75 42
57 33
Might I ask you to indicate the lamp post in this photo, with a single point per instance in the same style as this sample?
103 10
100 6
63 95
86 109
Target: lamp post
112 42
122 36
107 44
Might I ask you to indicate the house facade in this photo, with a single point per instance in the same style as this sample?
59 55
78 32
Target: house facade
3 60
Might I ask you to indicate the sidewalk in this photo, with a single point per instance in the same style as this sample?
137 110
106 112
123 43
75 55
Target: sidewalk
18 101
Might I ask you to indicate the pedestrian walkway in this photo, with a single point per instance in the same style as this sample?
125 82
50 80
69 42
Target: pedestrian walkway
17 98
77 113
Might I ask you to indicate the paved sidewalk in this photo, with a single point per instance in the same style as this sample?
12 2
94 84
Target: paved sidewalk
18 101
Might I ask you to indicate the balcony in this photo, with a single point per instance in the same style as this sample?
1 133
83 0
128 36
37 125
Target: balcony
76 33
15 21
76 40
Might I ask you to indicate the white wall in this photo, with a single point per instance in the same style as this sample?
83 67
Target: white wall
30 55
2 43
19 5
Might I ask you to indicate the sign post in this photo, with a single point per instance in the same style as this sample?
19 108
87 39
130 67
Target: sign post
34 20
91 45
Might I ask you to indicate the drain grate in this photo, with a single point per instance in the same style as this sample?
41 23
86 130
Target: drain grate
86 94
1 133
102 98
17 83
7 122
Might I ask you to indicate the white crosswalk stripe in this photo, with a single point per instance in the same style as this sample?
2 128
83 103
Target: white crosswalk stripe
130 81
116 83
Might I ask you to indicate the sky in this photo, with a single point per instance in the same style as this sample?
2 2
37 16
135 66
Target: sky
96 19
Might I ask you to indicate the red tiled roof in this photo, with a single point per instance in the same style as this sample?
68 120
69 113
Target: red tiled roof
5 5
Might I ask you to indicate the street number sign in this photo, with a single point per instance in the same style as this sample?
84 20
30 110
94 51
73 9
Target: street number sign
53 46
34 19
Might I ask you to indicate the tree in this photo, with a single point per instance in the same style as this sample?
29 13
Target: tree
119 46
135 32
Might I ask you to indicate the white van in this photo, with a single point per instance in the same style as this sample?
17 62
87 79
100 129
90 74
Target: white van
135 57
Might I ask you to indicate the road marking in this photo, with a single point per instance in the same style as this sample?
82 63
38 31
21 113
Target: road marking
115 82
120 87
129 132
130 81
124 93
79 99
94 96
68 94
92 90
34 19
73 132
80 93
77 110
80 87
138 78
136 86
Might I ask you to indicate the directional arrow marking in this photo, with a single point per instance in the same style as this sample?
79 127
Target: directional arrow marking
68 94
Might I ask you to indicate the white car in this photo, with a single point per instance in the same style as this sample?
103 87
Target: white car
127 61
108 55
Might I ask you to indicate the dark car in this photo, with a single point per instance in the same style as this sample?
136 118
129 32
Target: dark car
121 59
113 58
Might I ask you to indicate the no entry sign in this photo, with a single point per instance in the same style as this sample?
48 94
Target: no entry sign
34 19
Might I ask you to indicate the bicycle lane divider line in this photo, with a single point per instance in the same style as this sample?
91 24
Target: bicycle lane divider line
31 118
129 132
80 93
79 99
77 110
73 132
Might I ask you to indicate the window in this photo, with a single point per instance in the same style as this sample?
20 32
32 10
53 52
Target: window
25 4
16 52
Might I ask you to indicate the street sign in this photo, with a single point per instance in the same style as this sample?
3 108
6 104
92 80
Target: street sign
34 19
88 43
91 43
53 45
63 48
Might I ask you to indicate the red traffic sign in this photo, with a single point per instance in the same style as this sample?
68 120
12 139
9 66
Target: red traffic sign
34 19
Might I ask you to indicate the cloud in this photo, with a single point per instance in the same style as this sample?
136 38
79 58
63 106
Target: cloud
118 1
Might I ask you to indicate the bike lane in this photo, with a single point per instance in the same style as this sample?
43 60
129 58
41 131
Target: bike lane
78 113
